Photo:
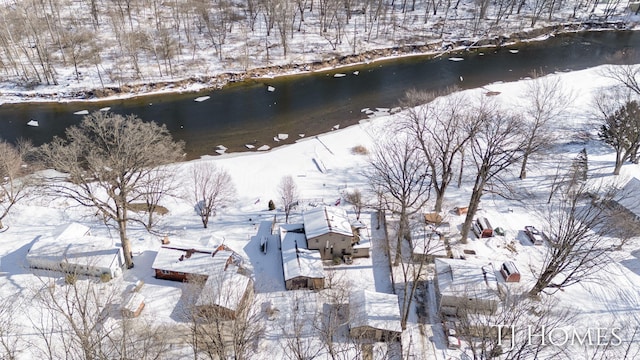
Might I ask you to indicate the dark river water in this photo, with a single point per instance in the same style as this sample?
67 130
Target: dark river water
247 113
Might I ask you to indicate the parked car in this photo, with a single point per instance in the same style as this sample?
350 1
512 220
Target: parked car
536 236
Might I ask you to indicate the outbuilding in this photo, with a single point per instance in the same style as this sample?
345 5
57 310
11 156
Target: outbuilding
466 285
374 316
302 267
225 294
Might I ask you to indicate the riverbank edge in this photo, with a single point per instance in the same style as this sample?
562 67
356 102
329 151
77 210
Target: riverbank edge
219 81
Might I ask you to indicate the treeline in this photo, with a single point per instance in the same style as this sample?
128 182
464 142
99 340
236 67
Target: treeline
119 41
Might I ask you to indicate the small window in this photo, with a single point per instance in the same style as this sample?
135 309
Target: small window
165 272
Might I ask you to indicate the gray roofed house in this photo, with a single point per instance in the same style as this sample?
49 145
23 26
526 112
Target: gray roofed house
374 316
466 285
225 293
328 230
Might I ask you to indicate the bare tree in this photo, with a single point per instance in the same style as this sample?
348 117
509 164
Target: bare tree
626 75
545 101
9 339
211 189
402 179
288 191
577 221
106 163
299 328
441 130
503 334
14 182
332 325
82 316
496 146
355 198
426 240
620 129
224 320
159 184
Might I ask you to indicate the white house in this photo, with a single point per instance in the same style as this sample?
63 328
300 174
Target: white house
302 267
374 316
466 285
71 248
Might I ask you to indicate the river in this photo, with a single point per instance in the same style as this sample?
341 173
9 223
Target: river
248 113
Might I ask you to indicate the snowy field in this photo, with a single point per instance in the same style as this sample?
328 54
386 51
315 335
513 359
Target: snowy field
613 299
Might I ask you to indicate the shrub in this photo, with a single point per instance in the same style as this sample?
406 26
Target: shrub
359 150
71 279
272 205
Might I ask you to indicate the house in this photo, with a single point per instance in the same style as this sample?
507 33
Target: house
72 249
225 293
179 262
328 230
374 316
628 199
466 285
302 267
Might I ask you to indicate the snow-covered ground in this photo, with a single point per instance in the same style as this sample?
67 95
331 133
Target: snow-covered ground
613 299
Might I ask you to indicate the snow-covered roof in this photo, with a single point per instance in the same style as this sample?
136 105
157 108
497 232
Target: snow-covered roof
375 310
326 219
70 244
426 241
224 289
464 278
297 259
195 261
629 196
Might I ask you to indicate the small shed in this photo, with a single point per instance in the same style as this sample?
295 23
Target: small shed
132 305
510 272
374 316
427 244
361 246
